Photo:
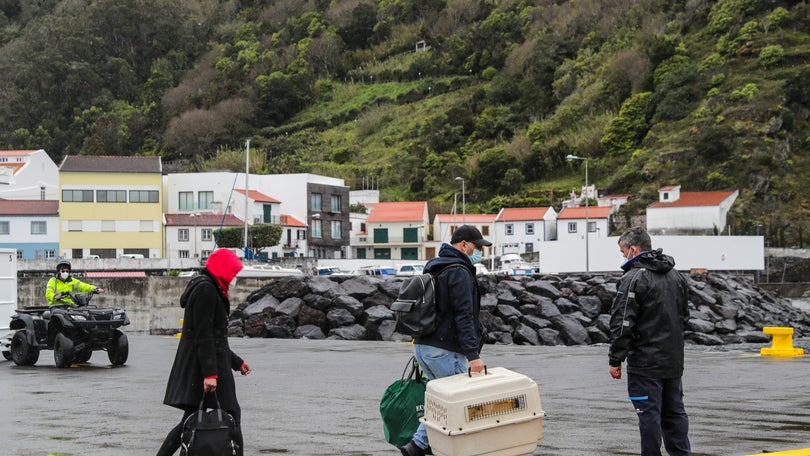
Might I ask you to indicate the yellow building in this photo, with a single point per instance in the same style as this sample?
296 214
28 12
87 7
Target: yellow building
110 207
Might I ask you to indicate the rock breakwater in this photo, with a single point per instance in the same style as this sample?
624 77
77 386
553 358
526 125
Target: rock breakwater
538 310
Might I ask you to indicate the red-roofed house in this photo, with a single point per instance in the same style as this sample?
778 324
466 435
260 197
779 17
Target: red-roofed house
394 231
444 225
293 236
194 235
28 175
263 208
678 212
571 222
31 227
520 229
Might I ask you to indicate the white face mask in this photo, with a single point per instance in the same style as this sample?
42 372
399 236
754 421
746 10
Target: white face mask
64 275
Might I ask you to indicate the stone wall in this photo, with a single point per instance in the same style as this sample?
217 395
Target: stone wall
547 310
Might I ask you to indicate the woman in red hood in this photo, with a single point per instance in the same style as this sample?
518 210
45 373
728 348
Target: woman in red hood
204 361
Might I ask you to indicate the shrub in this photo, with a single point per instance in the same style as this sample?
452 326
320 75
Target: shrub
771 55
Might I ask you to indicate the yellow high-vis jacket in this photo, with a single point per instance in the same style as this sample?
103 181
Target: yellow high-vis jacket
56 286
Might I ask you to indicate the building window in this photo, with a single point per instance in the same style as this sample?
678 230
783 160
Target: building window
182 234
77 196
205 254
410 235
111 196
206 234
5 228
39 228
50 254
182 253
380 235
205 200
42 193
143 196
591 227
510 229
572 227
316 229
336 204
316 202
336 231
382 254
186 202
530 228
485 230
19 254
529 247
108 225
74 225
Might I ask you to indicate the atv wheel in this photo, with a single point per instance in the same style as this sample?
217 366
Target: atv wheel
83 356
62 351
118 352
23 353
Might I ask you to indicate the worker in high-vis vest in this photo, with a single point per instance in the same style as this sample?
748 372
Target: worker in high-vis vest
60 287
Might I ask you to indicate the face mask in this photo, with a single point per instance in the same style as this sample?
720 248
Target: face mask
232 284
64 275
476 256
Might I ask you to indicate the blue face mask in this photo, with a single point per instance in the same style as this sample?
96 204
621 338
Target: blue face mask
476 256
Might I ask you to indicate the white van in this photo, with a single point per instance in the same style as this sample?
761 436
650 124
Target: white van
133 256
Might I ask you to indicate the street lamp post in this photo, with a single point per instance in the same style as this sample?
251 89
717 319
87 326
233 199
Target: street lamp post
587 222
463 202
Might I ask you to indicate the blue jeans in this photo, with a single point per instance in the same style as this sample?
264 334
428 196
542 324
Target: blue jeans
436 363
661 414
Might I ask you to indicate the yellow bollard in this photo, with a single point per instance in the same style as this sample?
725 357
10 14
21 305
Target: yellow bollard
180 334
782 343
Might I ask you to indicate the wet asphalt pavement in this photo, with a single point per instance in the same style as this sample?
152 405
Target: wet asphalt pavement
308 397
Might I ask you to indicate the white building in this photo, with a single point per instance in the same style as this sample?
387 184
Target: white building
520 229
572 220
394 231
320 202
30 227
444 225
28 175
678 212
194 235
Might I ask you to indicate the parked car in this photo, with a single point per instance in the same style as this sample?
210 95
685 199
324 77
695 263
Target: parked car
410 269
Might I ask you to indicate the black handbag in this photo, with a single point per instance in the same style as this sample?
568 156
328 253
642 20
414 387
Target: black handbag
209 432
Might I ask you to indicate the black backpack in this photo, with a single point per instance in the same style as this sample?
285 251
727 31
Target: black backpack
415 306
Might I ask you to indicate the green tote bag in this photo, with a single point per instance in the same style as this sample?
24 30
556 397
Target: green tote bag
402 404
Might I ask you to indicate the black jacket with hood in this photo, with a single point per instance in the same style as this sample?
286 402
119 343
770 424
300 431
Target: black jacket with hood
648 317
203 349
458 300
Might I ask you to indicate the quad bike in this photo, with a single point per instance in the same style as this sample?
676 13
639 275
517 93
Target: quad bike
73 332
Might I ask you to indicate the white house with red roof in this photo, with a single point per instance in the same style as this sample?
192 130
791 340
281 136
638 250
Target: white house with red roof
520 229
194 235
444 225
678 212
572 221
28 175
31 227
393 231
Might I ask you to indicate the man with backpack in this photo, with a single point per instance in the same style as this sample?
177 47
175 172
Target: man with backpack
455 345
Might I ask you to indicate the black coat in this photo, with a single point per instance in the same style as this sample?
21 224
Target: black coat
203 349
648 317
459 303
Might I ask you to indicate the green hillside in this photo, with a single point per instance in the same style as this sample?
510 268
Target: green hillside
407 95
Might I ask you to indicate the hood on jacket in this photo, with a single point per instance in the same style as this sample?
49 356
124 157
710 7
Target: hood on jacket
223 264
449 255
653 260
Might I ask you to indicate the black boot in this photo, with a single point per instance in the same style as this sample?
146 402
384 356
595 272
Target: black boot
412 449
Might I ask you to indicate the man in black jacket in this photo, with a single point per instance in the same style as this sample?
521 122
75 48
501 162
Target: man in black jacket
456 343
647 322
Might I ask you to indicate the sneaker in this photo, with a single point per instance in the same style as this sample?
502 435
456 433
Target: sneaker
411 449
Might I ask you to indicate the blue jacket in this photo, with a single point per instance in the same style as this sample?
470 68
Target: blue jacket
458 300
